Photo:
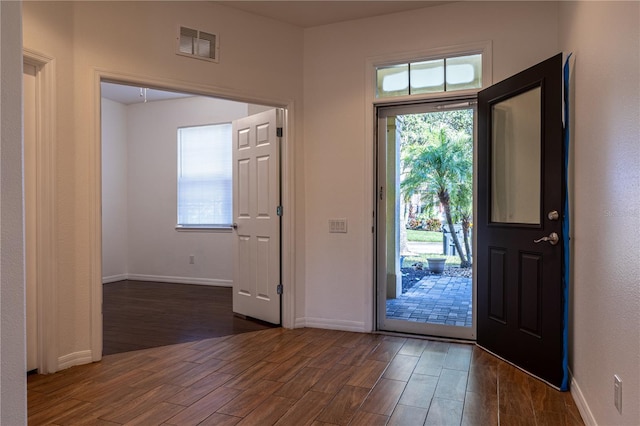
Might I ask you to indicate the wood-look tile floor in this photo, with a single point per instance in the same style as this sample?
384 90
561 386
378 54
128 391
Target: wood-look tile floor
146 314
299 377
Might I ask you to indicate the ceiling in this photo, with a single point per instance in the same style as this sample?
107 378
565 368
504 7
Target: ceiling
128 95
312 13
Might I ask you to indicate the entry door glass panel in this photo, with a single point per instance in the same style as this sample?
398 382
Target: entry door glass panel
515 159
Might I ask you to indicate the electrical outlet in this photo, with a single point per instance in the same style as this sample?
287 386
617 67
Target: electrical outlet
192 259
617 392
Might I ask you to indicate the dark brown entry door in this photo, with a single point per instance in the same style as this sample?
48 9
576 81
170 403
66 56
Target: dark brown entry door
519 220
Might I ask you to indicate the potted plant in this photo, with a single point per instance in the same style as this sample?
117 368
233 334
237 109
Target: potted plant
436 264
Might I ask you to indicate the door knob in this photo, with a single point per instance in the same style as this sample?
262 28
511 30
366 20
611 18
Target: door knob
552 239
553 215
234 226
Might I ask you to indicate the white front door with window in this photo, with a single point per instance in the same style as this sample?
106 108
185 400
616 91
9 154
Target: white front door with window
256 216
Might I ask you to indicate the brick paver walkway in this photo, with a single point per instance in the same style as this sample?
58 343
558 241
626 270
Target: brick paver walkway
435 299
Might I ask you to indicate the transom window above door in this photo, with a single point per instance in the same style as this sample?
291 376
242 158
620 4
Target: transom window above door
444 74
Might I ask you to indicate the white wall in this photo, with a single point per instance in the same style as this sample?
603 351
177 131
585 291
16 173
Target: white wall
332 171
260 59
114 191
338 135
13 401
156 250
605 317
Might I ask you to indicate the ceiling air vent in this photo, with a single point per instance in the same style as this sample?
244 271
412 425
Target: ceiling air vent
198 44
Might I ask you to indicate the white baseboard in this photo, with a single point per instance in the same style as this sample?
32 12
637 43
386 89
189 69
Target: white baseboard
331 324
581 403
73 359
170 279
114 278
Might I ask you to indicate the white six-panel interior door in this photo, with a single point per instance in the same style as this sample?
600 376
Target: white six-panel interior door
256 215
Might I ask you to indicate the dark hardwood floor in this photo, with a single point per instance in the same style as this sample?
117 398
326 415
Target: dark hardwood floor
141 314
299 377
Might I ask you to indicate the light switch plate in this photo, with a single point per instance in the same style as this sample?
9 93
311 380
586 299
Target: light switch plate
338 226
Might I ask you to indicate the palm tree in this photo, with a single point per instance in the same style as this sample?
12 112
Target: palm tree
463 210
443 164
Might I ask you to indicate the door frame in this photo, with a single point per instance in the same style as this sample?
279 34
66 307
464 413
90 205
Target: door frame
445 331
46 215
369 154
95 183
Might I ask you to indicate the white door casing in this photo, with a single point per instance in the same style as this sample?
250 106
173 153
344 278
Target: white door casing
40 207
256 201
30 137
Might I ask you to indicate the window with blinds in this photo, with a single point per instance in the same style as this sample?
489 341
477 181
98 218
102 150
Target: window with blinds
205 176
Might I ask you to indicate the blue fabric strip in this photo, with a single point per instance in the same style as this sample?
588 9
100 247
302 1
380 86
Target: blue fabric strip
565 234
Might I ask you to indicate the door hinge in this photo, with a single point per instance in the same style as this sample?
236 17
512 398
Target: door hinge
279 132
279 288
279 210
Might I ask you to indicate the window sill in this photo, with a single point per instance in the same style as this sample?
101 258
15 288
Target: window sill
203 228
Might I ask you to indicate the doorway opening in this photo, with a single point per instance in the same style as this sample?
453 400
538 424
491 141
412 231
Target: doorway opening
425 241
146 250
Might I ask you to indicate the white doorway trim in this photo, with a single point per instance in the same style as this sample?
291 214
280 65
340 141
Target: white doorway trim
46 216
95 184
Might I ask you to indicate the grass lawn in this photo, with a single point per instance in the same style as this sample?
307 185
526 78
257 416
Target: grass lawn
424 236
427 237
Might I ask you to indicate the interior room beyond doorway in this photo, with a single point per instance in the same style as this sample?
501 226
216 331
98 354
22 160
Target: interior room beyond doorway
144 256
